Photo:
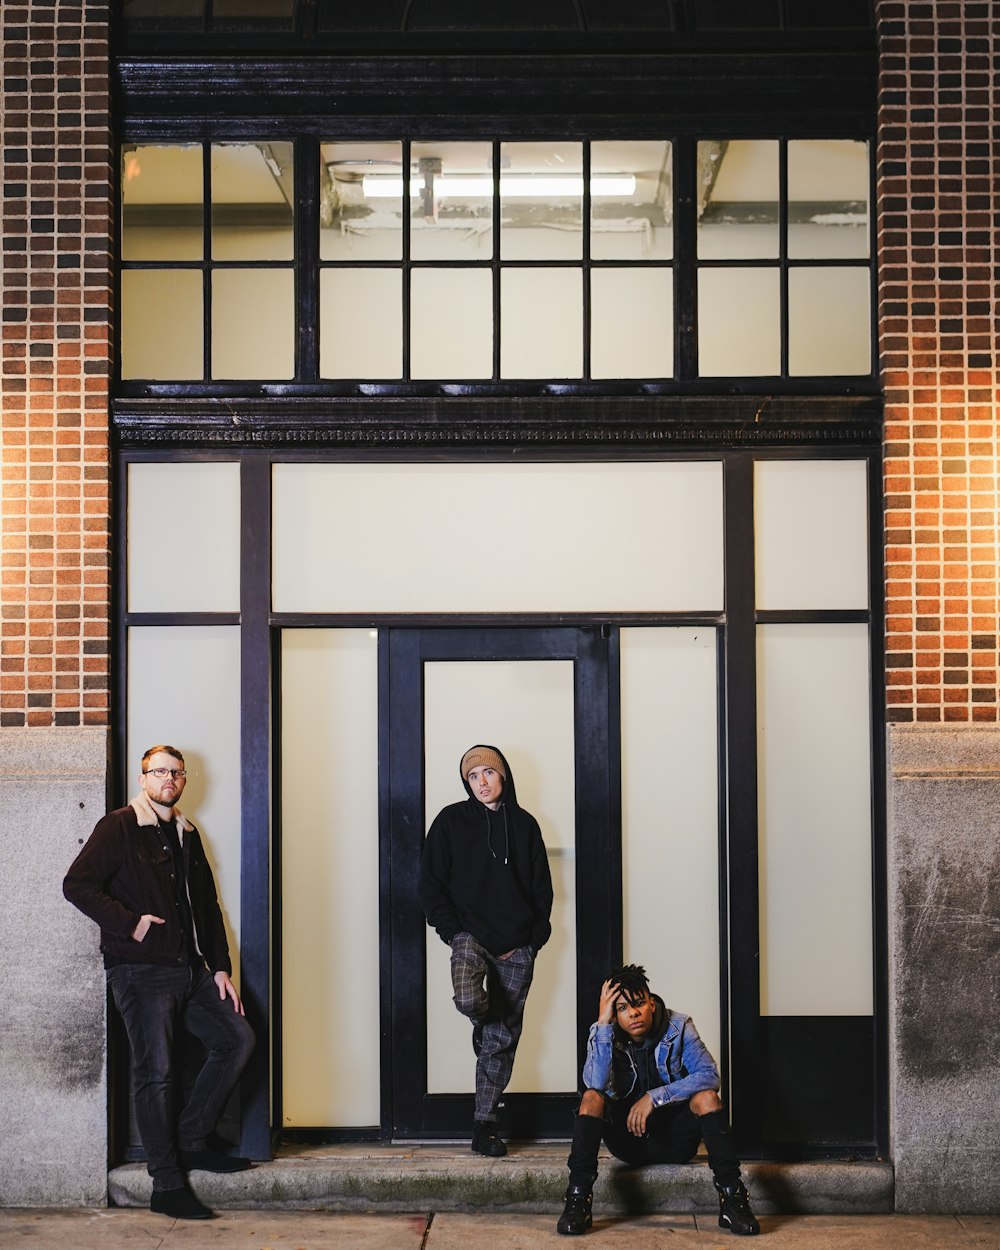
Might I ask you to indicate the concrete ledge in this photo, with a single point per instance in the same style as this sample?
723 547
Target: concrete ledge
530 1179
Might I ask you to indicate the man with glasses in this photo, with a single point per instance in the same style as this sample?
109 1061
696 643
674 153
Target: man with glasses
144 878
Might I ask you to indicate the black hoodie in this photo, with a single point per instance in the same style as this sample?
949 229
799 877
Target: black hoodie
486 873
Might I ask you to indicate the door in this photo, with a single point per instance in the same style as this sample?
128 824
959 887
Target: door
542 696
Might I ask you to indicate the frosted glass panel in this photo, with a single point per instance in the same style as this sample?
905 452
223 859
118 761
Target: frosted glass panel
525 707
190 511
329 878
162 324
670 815
360 323
739 322
811 534
184 689
814 806
829 321
575 537
631 323
253 323
451 323
541 323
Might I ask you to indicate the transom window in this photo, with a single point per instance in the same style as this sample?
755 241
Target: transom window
344 262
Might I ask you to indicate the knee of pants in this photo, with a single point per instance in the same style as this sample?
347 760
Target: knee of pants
473 1002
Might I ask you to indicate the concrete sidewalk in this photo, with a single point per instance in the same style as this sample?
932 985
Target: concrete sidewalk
117 1229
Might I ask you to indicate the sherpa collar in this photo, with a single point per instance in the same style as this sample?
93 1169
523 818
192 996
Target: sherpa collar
146 816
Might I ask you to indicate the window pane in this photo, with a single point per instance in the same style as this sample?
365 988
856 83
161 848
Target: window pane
268 10
811 534
361 201
631 323
738 198
329 866
451 205
162 202
829 326
541 323
253 323
361 323
631 201
828 182
814 807
252 198
541 201
739 323
203 504
670 830
451 323
162 324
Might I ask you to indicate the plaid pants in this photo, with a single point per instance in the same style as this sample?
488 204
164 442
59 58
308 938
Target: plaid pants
492 993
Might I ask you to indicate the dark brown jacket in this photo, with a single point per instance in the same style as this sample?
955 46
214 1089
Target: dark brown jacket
125 872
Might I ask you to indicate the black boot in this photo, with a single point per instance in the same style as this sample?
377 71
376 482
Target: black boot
734 1210
576 1217
486 1140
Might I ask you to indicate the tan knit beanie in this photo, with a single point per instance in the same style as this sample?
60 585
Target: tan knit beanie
482 757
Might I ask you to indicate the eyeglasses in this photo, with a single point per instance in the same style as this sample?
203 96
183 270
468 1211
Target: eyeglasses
161 774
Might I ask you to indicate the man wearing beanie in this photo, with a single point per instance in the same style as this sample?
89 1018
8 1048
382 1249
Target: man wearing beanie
485 888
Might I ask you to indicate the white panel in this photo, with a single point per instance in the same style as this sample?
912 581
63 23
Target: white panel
739 322
631 323
184 690
829 321
670 816
814 804
524 707
360 323
253 323
184 537
811 534
541 323
568 537
451 323
329 878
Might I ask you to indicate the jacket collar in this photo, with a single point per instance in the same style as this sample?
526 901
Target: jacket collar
147 816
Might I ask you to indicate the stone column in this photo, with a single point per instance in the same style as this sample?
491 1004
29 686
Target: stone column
53 1019
944 969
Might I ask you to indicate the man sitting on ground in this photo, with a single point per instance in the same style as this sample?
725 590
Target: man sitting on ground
651 1094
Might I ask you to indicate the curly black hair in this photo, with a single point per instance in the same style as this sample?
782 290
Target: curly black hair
631 981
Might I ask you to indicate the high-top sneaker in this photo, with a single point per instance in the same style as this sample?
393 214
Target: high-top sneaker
576 1217
734 1210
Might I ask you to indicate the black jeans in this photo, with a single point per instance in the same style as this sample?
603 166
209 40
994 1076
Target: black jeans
153 1001
672 1134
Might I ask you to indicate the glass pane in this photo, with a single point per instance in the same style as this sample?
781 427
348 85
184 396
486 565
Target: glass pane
184 688
541 323
252 197
811 534
829 321
203 504
451 323
162 195
739 322
329 877
670 828
631 323
253 323
529 714
541 201
271 10
361 201
162 324
451 204
738 198
360 323
814 778
828 183
631 201
646 537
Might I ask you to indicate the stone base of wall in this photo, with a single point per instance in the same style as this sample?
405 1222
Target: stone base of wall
944 966
53 1043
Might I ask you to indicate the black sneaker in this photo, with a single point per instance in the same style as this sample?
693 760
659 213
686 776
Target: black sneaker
209 1160
577 1216
734 1210
179 1204
486 1140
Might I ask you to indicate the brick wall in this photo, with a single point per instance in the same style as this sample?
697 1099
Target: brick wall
939 248
54 509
